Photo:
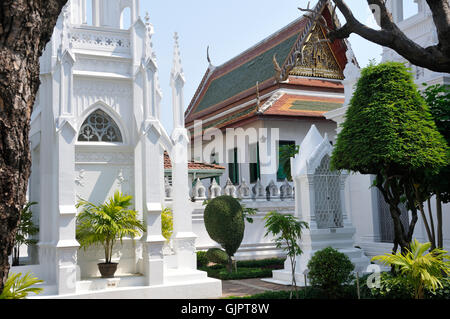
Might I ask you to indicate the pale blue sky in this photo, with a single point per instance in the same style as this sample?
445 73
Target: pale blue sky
228 27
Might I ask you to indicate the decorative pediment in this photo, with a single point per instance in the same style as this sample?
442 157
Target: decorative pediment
318 59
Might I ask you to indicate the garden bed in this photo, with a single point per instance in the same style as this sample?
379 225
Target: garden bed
245 269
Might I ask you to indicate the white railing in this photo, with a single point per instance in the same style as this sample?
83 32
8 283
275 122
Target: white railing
89 38
242 191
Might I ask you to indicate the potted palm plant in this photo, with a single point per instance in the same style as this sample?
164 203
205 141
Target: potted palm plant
105 224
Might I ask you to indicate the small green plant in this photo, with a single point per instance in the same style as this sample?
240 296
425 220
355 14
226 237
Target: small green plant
330 270
224 222
421 270
24 232
217 256
287 231
202 259
105 224
19 287
167 223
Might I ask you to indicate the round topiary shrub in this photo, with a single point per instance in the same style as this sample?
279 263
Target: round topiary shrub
202 259
217 256
224 222
329 269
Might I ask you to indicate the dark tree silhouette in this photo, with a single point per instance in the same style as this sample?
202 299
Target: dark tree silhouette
26 26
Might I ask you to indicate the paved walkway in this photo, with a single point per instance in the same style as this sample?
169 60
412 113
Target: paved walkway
246 287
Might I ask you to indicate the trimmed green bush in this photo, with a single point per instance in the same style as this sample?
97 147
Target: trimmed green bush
217 256
388 125
241 273
330 269
224 222
202 260
389 132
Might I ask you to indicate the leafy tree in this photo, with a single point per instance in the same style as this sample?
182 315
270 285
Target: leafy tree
389 133
25 230
423 271
25 29
18 287
106 223
438 99
224 222
287 230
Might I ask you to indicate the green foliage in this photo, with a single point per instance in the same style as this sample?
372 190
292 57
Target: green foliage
241 273
18 287
217 256
388 126
224 222
287 231
438 99
246 269
273 263
286 152
330 269
106 223
202 259
397 287
25 230
167 223
421 270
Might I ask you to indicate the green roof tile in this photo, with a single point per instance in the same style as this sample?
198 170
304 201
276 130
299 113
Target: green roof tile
245 76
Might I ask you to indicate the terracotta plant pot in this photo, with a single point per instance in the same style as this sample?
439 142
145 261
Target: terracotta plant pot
107 270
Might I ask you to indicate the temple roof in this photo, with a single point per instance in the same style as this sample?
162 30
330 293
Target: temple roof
252 73
192 166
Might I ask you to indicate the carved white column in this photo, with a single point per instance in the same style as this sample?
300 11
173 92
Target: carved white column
184 238
153 199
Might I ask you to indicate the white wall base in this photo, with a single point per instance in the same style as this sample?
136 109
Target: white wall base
194 285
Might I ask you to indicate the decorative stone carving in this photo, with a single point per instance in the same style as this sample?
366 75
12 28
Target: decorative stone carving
79 179
214 190
230 189
199 191
272 190
104 158
100 40
167 189
286 191
258 190
243 190
100 127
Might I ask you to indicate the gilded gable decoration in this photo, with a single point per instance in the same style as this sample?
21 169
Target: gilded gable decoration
317 59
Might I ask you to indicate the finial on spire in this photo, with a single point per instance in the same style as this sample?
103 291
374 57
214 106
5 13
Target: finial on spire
177 69
147 17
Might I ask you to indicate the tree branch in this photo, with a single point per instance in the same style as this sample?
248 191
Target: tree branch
434 57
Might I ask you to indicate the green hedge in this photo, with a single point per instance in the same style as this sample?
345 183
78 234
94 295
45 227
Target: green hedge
242 273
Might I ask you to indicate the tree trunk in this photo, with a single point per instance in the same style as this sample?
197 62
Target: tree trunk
25 28
440 237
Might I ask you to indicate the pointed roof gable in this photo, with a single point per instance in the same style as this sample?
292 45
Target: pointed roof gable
237 79
242 72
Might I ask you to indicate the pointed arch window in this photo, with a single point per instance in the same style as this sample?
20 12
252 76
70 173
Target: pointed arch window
100 127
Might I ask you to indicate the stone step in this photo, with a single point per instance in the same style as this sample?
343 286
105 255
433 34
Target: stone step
183 275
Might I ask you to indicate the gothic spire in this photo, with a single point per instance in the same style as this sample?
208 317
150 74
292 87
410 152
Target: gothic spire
177 69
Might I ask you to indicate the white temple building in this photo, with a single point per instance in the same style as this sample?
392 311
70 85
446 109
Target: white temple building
96 129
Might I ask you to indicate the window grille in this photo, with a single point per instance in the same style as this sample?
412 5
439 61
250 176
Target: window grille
328 211
100 127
